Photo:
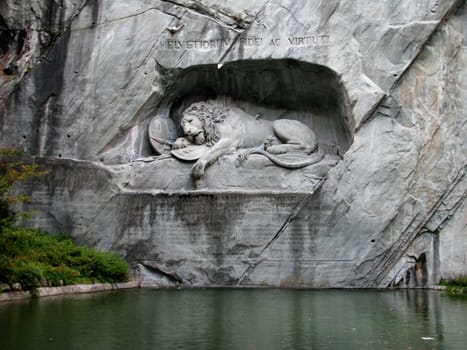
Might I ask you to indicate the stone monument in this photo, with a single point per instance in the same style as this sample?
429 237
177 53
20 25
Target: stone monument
248 143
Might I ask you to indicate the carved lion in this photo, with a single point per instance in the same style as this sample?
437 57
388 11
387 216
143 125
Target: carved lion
226 130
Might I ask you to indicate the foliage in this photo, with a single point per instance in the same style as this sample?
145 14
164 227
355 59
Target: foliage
13 169
34 258
456 284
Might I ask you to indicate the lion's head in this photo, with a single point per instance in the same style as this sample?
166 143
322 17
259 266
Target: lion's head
199 122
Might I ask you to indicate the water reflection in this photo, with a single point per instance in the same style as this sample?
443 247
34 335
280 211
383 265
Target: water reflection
238 319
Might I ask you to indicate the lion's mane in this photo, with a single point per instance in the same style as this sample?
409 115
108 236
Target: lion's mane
210 115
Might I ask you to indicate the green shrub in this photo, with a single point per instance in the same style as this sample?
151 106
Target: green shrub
27 273
456 284
458 281
34 258
61 275
110 269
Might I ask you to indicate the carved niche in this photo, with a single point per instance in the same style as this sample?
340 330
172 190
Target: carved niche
276 124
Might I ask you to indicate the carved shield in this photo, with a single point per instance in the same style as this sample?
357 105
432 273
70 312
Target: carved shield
162 133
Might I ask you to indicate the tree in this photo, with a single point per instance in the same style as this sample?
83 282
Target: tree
14 168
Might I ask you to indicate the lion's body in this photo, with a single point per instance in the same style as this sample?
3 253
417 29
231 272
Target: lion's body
239 130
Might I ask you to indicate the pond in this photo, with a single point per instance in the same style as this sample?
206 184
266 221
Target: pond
238 319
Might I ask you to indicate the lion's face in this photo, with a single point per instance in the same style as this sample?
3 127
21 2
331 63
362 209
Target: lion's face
193 128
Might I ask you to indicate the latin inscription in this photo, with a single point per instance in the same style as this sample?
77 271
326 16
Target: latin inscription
253 41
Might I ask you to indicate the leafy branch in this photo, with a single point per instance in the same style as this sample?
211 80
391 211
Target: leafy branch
14 168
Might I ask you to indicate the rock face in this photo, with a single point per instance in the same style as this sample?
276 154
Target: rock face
382 85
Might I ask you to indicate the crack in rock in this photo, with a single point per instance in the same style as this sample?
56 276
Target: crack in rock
382 268
257 255
222 16
126 17
173 277
235 40
422 46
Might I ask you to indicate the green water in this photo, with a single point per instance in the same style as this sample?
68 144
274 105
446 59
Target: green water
238 319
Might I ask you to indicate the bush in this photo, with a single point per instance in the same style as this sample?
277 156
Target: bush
34 258
110 269
60 275
456 284
459 281
27 273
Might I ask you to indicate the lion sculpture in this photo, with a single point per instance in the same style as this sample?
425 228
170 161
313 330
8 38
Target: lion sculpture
224 130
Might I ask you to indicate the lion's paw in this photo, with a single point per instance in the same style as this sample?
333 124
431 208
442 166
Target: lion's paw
198 169
180 143
275 149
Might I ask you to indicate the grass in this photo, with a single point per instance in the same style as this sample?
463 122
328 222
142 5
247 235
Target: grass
34 258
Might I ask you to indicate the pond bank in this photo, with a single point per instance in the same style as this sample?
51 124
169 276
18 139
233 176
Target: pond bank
73 289
98 287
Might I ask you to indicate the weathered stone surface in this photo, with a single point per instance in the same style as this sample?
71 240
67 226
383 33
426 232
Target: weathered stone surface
381 84
29 31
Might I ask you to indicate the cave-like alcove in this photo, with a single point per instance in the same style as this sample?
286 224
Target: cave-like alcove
271 89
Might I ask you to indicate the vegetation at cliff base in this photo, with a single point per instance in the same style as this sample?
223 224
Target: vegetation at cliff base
31 258
456 284
34 258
